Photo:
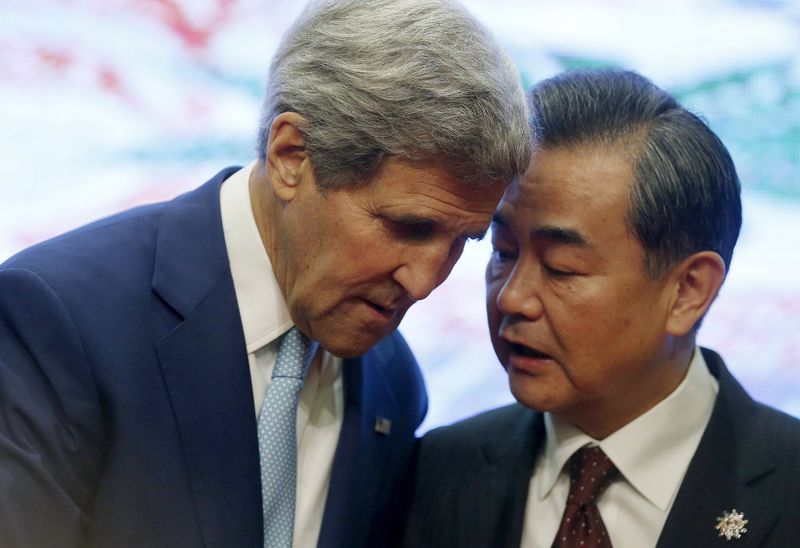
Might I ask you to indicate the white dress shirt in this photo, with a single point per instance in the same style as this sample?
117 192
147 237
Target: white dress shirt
265 318
651 452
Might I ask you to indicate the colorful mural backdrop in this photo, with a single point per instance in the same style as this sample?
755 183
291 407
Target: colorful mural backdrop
109 104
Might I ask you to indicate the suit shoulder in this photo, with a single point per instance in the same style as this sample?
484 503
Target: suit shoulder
475 430
448 457
400 373
396 354
777 416
757 421
394 346
96 242
777 425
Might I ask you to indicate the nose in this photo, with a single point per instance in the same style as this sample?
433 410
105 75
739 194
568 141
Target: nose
518 295
424 268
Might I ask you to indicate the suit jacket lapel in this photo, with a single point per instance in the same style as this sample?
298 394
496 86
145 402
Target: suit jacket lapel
732 469
204 365
361 453
500 493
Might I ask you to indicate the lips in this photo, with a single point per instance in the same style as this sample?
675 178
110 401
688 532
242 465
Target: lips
529 352
526 359
382 310
385 309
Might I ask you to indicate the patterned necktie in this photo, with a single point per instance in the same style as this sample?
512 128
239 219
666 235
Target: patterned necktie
590 472
277 438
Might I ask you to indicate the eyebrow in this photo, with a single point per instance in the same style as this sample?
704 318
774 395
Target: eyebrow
561 235
557 234
412 220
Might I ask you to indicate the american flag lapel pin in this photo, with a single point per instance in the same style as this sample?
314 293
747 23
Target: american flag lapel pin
383 425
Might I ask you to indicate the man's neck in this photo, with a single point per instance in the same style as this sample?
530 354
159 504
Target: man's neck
600 420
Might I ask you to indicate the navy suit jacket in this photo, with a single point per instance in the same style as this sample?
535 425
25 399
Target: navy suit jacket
472 480
127 409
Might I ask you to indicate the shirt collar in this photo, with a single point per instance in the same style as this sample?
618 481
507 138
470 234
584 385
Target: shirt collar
262 307
653 451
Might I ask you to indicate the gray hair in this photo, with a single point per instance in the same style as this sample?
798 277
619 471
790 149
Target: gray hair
685 196
420 80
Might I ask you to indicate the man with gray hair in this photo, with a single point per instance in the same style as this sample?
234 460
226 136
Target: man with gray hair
627 434
224 369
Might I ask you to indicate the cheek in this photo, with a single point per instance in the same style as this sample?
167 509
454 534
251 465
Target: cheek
372 265
493 287
594 332
627 310
494 319
579 324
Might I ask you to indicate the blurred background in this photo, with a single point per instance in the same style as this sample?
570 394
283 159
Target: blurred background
107 104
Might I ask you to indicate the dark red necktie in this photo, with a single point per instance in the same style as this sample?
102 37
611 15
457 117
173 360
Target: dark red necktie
590 472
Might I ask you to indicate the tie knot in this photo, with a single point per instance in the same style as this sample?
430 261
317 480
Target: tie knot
294 355
590 471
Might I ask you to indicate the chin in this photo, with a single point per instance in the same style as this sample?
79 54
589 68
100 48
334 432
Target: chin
532 397
346 353
350 348
345 338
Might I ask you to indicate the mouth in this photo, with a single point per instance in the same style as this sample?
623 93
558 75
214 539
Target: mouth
385 311
528 351
523 359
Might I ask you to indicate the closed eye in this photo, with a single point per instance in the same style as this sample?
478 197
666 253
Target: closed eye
412 229
557 272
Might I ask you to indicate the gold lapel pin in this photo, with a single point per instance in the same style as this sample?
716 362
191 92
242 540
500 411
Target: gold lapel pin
731 525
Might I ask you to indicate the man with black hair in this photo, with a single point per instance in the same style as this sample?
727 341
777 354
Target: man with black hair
606 257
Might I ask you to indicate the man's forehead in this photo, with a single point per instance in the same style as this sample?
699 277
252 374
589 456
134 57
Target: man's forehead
468 220
432 197
525 223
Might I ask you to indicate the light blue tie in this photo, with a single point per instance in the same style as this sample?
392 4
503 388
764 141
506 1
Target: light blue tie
277 437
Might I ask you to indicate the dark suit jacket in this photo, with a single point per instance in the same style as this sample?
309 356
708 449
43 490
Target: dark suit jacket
127 409
472 479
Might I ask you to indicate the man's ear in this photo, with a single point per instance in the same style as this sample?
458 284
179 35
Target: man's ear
697 280
286 154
